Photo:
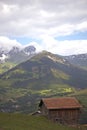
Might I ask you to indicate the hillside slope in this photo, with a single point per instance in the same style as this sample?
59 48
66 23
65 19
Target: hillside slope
43 75
79 60
27 122
49 68
11 58
81 95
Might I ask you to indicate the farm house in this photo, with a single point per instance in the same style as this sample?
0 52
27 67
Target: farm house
64 110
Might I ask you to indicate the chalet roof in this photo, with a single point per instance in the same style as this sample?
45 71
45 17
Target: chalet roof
60 103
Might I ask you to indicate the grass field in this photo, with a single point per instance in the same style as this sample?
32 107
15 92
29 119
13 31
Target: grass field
6 66
28 122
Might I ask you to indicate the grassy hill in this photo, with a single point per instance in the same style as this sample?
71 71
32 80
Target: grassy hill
27 122
81 95
44 75
6 66
47 68
13 60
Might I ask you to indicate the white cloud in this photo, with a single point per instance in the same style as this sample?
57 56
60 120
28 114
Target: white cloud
39 17
38 46
67 47
82 26
72 47
44 20
7 44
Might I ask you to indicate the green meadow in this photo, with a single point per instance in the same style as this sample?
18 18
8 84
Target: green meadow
29 122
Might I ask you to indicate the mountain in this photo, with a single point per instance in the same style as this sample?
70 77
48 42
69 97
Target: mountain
47 65
79 60
9 59
43 75
17 55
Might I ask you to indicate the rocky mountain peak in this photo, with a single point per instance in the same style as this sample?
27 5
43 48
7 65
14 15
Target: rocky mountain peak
14 50
16 54
29 50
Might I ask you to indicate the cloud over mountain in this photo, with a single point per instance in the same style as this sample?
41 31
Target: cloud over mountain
44 21
66 47
39 17
7 44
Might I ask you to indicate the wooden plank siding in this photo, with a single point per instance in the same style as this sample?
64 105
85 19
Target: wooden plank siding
63 115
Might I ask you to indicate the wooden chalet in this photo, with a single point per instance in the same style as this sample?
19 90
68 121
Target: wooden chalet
62 110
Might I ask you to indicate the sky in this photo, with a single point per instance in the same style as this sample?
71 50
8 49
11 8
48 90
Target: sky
58 26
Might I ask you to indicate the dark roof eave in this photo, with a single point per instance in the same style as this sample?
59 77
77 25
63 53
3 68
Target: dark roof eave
64 108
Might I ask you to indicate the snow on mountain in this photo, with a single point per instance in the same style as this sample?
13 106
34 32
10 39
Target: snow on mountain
14 50
79 56
3 57
79 60
16 53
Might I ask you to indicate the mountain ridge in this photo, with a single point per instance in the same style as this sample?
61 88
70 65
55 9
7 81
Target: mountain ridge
15 56
12 54
78 60
43 75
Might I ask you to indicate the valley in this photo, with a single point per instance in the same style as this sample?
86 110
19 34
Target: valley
43 75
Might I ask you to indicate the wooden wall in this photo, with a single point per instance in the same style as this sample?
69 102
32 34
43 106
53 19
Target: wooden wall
63 116
44 110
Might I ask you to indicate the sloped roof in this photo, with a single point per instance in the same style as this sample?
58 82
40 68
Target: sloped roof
60 103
